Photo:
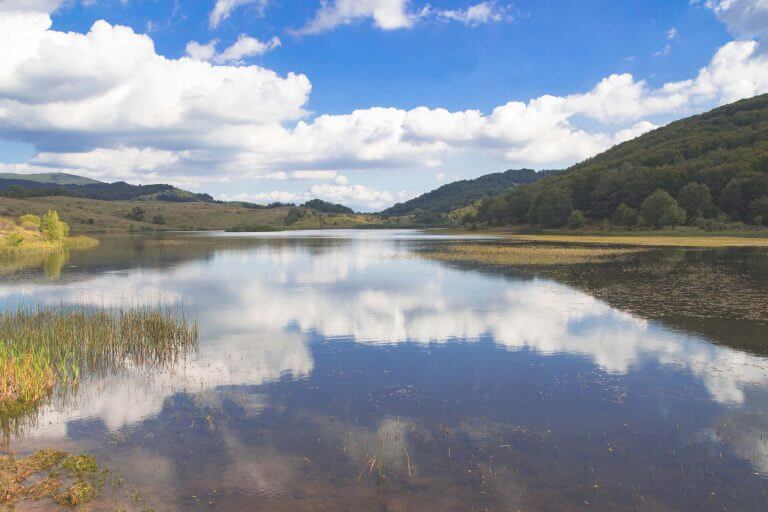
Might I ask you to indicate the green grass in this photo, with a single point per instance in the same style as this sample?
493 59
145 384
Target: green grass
45 350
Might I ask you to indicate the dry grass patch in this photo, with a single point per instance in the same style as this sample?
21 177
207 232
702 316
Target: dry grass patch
650 241
524 254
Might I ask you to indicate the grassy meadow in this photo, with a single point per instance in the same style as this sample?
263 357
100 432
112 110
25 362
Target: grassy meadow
95 216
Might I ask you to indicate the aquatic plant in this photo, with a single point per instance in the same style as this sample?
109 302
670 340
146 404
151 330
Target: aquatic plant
524 254
65 479
47 349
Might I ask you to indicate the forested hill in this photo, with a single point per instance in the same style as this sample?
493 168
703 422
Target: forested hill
19 187
465 192
713 166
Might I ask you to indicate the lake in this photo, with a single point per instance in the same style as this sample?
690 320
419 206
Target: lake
343 371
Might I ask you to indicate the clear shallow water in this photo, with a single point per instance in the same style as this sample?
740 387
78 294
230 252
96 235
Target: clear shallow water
341 371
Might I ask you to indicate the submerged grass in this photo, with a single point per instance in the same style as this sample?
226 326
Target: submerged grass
524 254
48 349
650 240
64 479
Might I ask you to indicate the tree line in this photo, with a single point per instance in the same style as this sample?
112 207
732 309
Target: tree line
707 170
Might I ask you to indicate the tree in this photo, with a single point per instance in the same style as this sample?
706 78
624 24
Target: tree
660 209
758 209
696 199
625 216
577 219
551 207
294 214
137 214
53 229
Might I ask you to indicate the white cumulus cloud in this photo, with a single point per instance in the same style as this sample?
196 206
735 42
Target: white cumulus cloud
744 18
223 9
386 15
245 46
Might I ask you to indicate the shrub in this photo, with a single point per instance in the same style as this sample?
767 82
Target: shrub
14 239
30 221
53 229
158 219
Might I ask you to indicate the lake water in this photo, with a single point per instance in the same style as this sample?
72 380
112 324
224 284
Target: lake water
342 371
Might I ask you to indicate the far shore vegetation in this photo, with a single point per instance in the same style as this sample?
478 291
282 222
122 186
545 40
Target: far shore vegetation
525 254
46 350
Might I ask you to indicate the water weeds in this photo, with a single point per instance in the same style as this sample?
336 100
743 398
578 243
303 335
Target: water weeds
49 350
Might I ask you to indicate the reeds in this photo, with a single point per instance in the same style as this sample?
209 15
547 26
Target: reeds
525 254
47 349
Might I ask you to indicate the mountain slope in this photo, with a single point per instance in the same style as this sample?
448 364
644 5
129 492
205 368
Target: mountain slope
462 193
725 149
53 178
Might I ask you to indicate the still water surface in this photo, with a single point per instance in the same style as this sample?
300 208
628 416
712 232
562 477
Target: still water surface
342 371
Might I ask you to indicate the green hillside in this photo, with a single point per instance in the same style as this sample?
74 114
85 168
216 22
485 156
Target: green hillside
53 178
708 169
465 192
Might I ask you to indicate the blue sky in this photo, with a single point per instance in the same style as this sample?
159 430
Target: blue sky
366 102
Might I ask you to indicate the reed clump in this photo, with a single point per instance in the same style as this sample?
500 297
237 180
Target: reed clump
525 254
43 350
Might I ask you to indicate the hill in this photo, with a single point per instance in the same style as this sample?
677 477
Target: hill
54 178
714 166
325 207
19 187
465 192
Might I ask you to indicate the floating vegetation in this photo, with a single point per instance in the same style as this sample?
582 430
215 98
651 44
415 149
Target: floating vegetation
524 254
62 478
45 350
670 240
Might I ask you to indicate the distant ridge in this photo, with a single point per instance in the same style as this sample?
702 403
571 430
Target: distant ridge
52 178
465 192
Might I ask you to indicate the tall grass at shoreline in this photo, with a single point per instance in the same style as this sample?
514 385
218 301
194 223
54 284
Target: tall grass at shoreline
45 350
